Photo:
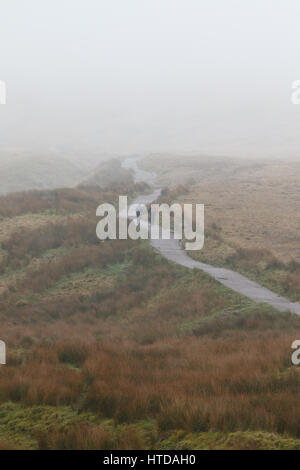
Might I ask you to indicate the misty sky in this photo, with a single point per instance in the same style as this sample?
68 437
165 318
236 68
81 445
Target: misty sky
126 76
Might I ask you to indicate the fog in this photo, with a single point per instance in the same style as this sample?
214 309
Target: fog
142 76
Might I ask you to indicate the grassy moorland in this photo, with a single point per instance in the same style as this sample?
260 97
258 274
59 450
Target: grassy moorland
251 214
110 346
21 170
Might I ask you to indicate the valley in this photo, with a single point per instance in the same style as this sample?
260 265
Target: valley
112 346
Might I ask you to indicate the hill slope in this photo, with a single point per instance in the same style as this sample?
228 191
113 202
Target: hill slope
21 171
112 346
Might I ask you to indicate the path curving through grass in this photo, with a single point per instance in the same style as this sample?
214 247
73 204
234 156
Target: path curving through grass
171 250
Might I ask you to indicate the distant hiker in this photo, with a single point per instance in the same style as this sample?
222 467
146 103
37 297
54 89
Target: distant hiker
139 211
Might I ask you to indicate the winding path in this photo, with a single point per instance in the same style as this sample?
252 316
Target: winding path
171 250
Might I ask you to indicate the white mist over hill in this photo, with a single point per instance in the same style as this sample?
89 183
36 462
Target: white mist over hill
115 76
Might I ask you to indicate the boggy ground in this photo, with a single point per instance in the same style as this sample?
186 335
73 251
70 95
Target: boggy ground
252 212
110 346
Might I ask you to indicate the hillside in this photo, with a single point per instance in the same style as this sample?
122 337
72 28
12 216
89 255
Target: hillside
22 171
252 212
107 173
110 346
38 172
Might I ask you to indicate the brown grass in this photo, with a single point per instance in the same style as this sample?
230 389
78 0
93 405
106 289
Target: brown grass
236 383
159 342
256 202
